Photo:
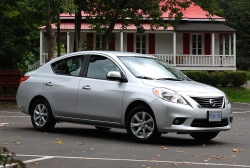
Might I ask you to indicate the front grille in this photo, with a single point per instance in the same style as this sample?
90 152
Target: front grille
205 123
210 102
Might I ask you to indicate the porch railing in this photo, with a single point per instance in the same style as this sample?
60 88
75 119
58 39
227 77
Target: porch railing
40 62
198 60
179 60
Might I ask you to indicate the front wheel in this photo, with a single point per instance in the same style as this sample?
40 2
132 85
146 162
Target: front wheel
141 125
204 136
41 116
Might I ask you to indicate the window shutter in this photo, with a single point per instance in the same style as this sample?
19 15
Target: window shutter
207 44
151 43
130 42
90 40
112 42
186 43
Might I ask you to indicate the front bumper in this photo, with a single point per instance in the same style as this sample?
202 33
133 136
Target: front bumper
172 117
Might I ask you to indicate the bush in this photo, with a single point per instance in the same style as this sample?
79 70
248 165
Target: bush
217 78
226 78
8 158
238 78
199 76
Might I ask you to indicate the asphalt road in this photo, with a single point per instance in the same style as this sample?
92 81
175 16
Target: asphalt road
72 145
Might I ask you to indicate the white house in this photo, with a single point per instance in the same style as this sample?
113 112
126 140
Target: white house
197 44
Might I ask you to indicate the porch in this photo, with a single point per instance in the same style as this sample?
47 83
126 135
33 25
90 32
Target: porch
186 50
182 62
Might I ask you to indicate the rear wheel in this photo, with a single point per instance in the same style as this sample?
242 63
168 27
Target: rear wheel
41 116
204 136
141 124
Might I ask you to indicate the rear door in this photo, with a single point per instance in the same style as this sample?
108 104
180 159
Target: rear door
100 99
61 88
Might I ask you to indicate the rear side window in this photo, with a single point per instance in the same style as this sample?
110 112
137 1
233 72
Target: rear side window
69 66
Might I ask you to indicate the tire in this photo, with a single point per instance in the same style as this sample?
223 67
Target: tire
102 128
41 116
204 136
141 125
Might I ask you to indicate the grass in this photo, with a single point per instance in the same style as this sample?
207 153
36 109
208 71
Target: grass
237 94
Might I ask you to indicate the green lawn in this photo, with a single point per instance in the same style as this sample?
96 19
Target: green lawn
237 94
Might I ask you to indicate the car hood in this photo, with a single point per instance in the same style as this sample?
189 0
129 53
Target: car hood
182 86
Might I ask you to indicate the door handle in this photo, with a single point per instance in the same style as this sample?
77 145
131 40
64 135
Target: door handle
48 84
87 87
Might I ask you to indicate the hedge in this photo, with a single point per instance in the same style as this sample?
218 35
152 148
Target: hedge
219 78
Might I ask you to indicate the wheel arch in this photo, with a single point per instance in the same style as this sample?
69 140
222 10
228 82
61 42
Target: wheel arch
34 100
136 104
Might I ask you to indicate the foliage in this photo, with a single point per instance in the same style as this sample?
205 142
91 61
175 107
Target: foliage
238 78
237 16
127 12
199 76
19 37
225 78
8 158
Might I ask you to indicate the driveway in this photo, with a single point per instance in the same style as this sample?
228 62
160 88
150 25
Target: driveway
72 145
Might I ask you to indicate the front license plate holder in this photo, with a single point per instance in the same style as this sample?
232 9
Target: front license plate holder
214 116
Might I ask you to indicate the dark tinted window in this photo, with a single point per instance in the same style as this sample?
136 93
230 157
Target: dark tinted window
70 66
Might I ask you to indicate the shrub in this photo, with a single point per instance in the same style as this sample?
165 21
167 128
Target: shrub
225 78
238 78
216 78
199 76
8 158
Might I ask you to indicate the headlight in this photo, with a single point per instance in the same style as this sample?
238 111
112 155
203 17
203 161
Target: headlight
226 99
169 95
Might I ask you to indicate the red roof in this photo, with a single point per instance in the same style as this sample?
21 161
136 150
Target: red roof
194 12
86 26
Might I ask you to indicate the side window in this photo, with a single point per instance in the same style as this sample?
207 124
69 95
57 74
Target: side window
99 66
70 66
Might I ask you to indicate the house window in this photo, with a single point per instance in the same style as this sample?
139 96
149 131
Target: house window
226 45
197 46
141 43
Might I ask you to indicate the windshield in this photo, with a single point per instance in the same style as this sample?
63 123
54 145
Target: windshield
152 68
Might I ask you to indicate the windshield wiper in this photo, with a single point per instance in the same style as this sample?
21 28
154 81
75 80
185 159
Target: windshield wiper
173 79
144 77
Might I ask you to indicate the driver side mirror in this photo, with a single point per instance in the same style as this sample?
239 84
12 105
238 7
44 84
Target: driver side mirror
115 75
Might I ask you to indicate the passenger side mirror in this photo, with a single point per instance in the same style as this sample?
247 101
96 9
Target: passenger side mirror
115 75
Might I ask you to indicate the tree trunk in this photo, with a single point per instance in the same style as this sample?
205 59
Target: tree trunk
51 33
58 39
78 21
107 34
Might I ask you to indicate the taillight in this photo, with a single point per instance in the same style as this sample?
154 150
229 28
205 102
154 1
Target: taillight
23 79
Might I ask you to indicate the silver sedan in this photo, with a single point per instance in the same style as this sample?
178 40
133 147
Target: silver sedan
138 92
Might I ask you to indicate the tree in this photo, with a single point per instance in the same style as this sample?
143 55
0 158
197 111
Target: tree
19 37
103 14
237 16
52 8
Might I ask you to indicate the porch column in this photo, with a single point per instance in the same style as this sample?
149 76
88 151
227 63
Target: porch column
213 43
68 42
41 48
234 45
121 41
174 48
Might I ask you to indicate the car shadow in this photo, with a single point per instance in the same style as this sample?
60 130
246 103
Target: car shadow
120 135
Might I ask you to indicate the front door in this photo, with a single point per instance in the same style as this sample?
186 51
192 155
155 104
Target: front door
100 99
